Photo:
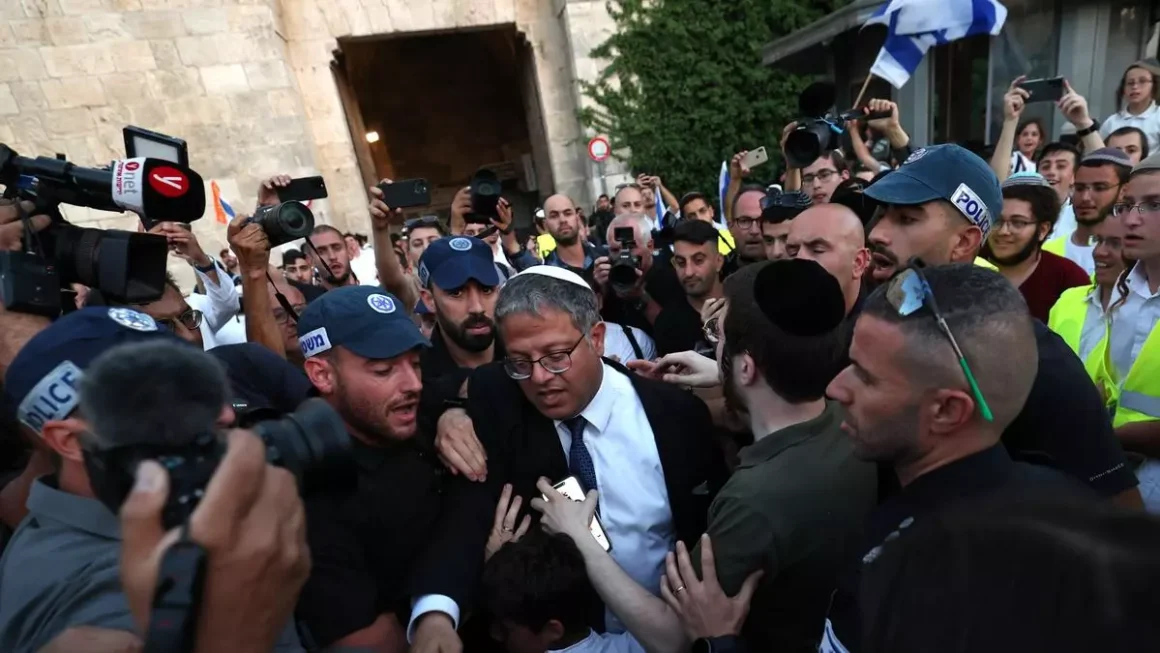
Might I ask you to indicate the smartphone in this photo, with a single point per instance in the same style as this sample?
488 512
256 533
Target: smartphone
570 487
406 193
754 158
142 142
1043 90
302 190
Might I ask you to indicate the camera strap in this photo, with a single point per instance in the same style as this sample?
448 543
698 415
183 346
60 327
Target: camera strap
32 244
177 598
282 301
330 278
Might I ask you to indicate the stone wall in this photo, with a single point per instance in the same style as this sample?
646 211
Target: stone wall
247 83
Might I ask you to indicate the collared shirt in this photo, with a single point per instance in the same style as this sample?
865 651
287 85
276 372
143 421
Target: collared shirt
797 499
1065 224
634 502
590 255
1133 321
220 307
1094 326
62 570
1147 122
616 343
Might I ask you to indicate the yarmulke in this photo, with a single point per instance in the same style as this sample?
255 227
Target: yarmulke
555 273
1108 155
800 297
1151 164
1026 179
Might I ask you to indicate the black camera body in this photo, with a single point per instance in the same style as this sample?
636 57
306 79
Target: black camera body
285 222
622 274
821 129
778 206
311 443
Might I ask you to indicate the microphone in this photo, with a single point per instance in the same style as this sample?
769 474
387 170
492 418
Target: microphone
152 188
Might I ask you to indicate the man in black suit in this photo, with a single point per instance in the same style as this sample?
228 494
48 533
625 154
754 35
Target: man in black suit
397 559
554 408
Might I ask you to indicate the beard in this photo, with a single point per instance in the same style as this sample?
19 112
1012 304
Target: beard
891 441
569 240
1028 250
1103 215
473 342
734 402
368 418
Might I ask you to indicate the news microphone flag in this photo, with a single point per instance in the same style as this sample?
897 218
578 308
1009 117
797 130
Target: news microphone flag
914 26
222 210
157 189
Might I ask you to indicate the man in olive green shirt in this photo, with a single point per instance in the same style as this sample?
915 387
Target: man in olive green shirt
798 496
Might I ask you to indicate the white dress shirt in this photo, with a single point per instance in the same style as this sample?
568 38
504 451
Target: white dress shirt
1147 122
634 502
1094 326
616 343
1065 224
603 643
1081 255
1133 321
364 267
219 308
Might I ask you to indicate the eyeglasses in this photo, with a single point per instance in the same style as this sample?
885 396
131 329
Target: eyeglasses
821 175
556 362
745 224
908 292
1111 241
1014 225
1122 209
1143 81
190 319
281 316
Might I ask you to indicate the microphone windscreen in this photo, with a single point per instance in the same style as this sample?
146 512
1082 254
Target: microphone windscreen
800 297
158 190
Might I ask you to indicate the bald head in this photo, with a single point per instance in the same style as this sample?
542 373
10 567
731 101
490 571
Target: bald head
629 199
561 220
832 235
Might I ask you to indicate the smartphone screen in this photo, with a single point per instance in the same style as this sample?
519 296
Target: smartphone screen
570 488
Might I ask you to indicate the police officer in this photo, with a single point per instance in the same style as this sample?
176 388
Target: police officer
61 569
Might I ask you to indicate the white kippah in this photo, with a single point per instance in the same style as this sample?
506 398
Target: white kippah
555 273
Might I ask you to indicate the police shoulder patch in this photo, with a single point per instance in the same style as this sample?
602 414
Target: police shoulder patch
460 244
381 304
131 319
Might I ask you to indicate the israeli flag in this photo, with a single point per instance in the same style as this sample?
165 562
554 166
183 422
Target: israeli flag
914 26
722 188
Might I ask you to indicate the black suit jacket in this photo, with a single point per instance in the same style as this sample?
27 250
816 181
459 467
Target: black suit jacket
522 445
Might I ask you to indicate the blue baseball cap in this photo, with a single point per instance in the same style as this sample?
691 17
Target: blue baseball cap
452 261
366 320
944 172
43 381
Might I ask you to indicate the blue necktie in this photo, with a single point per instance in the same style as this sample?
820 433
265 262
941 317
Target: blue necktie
579 461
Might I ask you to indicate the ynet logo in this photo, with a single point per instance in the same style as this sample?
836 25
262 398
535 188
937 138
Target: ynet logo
966 201
314 342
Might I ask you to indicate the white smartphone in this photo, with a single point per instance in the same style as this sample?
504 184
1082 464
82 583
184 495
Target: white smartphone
570 488
754 158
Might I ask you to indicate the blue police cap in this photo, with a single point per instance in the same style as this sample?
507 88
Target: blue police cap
451 262
42 381
366 320
944 172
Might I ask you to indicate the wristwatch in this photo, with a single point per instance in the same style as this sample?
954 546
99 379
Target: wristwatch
206 269
726 644
1091 129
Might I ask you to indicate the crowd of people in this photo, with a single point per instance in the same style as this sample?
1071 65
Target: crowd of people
907 399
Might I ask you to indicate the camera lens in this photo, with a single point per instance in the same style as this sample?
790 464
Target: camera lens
622 274
311 443
123 265
805 144
420 188
285 222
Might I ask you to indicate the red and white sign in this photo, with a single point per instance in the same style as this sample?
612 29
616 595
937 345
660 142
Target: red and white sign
599 149
127 190
170 182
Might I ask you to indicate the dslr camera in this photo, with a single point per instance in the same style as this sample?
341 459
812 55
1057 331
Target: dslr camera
820 129
622 275
311 443
285 222
123 265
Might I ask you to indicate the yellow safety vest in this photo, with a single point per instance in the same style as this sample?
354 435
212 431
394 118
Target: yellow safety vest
1067 318
725 243
546 243
984 263
1057 246
1138 397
